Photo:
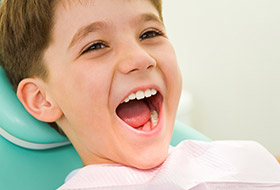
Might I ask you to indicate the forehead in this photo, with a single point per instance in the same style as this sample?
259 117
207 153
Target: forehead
102 9
71 16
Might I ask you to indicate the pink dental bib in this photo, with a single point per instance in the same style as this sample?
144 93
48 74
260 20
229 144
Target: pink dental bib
192 165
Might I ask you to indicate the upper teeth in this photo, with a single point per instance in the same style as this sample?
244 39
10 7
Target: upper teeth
141 95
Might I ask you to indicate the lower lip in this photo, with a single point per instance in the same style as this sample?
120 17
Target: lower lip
150 133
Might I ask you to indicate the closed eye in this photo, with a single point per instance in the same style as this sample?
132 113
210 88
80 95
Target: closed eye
95 46
150 34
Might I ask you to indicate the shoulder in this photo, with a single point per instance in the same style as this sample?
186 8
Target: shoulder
233 150
249 159
227 148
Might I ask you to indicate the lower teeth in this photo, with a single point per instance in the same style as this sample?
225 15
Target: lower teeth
154 118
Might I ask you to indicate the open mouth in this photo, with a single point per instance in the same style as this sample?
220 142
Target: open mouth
141 110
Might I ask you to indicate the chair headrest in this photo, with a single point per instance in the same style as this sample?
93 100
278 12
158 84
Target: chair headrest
19 127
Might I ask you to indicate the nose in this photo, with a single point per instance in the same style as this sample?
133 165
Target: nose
135 58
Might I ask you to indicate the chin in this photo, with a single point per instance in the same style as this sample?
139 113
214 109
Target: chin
151 161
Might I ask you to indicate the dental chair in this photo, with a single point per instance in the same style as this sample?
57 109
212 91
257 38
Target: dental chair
33 156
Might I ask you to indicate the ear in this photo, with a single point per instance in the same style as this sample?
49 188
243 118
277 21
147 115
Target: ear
36 102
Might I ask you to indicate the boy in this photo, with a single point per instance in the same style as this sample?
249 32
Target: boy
105 72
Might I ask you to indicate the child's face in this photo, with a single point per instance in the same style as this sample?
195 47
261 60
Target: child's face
102 51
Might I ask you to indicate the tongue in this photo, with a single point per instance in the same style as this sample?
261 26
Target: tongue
135 113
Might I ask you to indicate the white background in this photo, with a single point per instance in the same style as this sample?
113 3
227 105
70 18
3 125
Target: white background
229 55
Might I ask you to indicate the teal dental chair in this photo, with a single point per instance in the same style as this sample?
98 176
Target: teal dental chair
33 156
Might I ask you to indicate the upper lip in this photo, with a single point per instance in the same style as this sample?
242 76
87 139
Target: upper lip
143 88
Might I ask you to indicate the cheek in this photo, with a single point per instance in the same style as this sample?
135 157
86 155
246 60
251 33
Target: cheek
82 93
172 76
170 69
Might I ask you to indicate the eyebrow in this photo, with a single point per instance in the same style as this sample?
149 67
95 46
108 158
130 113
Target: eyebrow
95 26
148 17
83 31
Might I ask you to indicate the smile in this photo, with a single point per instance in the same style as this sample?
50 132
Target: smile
140 110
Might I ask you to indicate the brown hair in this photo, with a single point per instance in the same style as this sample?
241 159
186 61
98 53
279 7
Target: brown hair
25 33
